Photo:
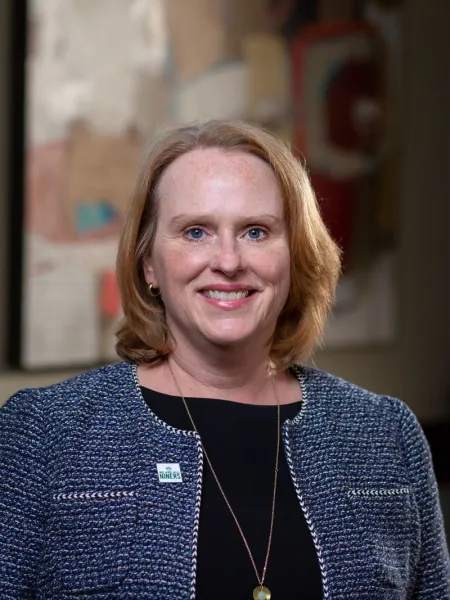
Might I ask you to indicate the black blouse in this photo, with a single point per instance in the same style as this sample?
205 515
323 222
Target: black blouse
241 442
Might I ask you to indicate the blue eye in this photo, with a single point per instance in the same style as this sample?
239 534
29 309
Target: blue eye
195 234
256 233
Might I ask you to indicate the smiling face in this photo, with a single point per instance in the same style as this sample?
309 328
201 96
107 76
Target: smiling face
221 252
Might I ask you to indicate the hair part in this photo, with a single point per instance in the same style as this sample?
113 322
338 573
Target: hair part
143 335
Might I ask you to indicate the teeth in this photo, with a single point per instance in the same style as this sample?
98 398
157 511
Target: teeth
225 295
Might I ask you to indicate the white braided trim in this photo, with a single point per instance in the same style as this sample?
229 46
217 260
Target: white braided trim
379 493
296 369
94 495
312 530
193 585
186 433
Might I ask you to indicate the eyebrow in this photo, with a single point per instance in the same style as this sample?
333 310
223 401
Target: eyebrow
182 219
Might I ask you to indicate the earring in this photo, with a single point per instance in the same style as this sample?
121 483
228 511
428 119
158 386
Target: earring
152 292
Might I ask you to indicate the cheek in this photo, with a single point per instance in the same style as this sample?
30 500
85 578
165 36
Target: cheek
276 267
174 265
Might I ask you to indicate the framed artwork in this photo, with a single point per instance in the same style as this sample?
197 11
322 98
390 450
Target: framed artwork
95 100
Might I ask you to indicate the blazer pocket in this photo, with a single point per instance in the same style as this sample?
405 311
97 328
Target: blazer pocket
386 518
386 512
90 538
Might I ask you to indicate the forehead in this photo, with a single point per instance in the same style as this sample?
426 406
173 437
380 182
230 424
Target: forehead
211 173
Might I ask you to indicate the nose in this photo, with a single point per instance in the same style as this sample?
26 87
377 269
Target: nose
227 256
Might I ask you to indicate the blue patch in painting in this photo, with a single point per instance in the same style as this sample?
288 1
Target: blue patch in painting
94 216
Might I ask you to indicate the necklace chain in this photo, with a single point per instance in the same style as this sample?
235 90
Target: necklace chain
272 517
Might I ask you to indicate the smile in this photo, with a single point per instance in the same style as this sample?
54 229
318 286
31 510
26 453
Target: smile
227 296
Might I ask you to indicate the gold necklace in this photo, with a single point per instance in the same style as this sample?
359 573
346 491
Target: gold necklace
261 592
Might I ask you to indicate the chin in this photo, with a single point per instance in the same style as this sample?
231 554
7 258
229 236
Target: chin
230 338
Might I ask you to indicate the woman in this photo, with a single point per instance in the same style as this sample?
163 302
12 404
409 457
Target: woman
311 487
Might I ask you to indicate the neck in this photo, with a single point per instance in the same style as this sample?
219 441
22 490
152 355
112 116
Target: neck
239 376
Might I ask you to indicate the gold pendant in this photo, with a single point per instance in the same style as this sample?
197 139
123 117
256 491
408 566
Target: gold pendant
261 593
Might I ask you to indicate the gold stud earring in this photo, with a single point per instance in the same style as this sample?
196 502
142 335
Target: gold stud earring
152 291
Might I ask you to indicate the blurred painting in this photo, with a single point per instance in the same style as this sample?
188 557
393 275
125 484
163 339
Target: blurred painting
105 77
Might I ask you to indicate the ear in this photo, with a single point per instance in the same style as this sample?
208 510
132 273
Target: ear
149 273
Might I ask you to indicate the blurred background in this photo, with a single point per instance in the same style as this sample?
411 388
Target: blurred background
359 88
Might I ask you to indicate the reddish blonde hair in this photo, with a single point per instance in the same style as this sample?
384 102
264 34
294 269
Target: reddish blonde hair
143 335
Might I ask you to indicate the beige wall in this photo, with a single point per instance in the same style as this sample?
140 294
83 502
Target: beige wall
416 367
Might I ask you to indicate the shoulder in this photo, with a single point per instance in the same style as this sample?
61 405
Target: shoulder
354 416
340 400
86 392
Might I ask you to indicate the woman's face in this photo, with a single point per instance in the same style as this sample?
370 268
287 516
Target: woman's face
221 252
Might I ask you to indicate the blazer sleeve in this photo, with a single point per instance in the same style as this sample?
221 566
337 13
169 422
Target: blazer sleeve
22 494
432 578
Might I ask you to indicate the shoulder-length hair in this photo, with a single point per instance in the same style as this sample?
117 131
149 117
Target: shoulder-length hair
143 336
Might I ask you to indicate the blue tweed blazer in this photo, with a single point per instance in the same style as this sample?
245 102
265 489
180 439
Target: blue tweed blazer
83 513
